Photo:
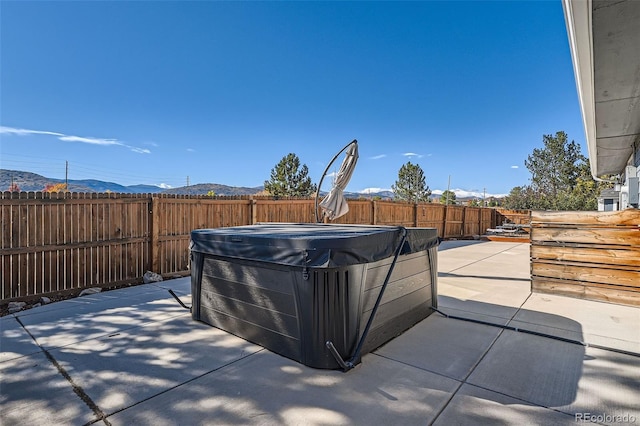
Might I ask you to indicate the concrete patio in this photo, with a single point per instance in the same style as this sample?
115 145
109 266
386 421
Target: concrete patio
134 356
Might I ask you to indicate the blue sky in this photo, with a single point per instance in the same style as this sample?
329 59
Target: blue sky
155 92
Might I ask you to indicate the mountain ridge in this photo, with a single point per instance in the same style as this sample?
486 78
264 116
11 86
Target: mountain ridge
29 181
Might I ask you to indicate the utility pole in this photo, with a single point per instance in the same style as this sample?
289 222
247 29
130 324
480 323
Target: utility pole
484 196
415 185
448 192
66 175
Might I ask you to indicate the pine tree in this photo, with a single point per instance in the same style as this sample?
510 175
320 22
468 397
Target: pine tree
411 184
448 197
560 179
556 167
288 179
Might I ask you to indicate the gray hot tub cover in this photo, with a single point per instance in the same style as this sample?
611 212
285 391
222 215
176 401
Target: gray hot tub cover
310 245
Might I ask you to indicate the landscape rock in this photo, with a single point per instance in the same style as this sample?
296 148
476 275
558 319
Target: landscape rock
151 277
36 305
17 305
88 291
14 307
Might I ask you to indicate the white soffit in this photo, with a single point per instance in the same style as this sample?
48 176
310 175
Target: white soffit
604 36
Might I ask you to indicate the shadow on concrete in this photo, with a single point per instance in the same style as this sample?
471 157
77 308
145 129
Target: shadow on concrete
451 244
481 350
545 364
146 366
482 277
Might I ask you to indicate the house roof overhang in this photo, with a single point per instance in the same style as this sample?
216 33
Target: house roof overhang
604 37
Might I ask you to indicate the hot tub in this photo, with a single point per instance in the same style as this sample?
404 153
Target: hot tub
292 288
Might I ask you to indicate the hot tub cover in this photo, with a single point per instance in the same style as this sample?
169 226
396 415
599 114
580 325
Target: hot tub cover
311 245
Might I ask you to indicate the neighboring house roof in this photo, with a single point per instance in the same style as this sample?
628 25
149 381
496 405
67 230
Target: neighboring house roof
604 36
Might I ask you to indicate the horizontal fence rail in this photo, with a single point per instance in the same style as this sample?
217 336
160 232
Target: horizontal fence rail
589 255
57 243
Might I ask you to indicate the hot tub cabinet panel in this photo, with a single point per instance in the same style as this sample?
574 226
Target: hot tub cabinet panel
407 300
292 305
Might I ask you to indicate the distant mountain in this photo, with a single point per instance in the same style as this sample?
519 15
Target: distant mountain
218 189
382 194
28 181
97 185
144 189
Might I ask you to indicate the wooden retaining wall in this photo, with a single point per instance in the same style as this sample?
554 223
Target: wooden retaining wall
588 255
61 242
519 217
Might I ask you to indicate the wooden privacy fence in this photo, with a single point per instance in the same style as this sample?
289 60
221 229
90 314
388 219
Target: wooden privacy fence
61 242
589 255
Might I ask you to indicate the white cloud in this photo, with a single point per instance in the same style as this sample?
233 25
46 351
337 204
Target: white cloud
412 154
92 141
191 150
377 157
138 150
165 186
71 138
24 132
515 167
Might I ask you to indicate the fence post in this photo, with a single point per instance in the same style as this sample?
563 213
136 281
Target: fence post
374 213
444 221
154 244
415 214
253 211
463 227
